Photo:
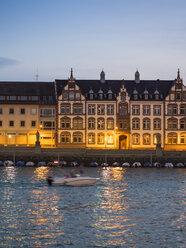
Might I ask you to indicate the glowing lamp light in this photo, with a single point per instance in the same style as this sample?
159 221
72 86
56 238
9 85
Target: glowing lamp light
9 136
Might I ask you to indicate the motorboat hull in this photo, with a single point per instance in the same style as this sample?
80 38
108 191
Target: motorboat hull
72 181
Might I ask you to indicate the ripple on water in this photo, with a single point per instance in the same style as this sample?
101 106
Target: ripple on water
127 208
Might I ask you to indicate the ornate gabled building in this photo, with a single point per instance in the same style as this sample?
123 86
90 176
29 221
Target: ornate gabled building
121 114
94 114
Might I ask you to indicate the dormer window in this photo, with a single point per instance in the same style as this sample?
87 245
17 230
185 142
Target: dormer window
100 94
91 96
109 94
146 94
135 94
156 94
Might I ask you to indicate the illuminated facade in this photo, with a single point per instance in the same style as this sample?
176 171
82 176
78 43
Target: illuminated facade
25 108
94 114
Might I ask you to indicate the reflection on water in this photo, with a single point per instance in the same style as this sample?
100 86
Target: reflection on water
127 208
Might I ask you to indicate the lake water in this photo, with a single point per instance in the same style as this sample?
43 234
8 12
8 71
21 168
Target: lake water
133 207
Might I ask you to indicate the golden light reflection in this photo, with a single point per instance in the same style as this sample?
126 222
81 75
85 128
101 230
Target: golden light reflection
42 172
11 172
114 206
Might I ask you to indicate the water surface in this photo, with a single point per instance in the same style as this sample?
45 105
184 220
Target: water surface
133 207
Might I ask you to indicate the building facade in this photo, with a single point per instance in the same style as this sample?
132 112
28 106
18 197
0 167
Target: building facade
94 114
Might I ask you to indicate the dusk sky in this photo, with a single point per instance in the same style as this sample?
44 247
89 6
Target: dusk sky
118 36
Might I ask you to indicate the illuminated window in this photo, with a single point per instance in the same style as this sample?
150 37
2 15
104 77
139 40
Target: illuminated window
110 123
101 123
91 123
135 139
101 139
65 123
101 109
91 138
65 137
146 139
183 139
47 125
146 124
135 124
172 138
110 139
78 123
77 138
157 124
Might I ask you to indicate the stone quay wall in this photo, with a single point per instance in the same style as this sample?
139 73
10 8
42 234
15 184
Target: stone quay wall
86 156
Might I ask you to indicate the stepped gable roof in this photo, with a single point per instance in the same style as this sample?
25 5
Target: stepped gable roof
14 88
163 86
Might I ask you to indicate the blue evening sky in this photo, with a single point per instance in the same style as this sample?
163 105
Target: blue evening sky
120 36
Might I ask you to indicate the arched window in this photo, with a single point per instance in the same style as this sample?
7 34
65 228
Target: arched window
110 139
77 137
135 139
146 124
101 123
101 138
65 137
183 124
78 123
146 139
65 123
172 124
172 138
136 124
157 124
110 123
91 138
71 96
65 96
91 123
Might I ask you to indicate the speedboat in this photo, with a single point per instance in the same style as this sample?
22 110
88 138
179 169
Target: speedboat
125 164
72 181
168 165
